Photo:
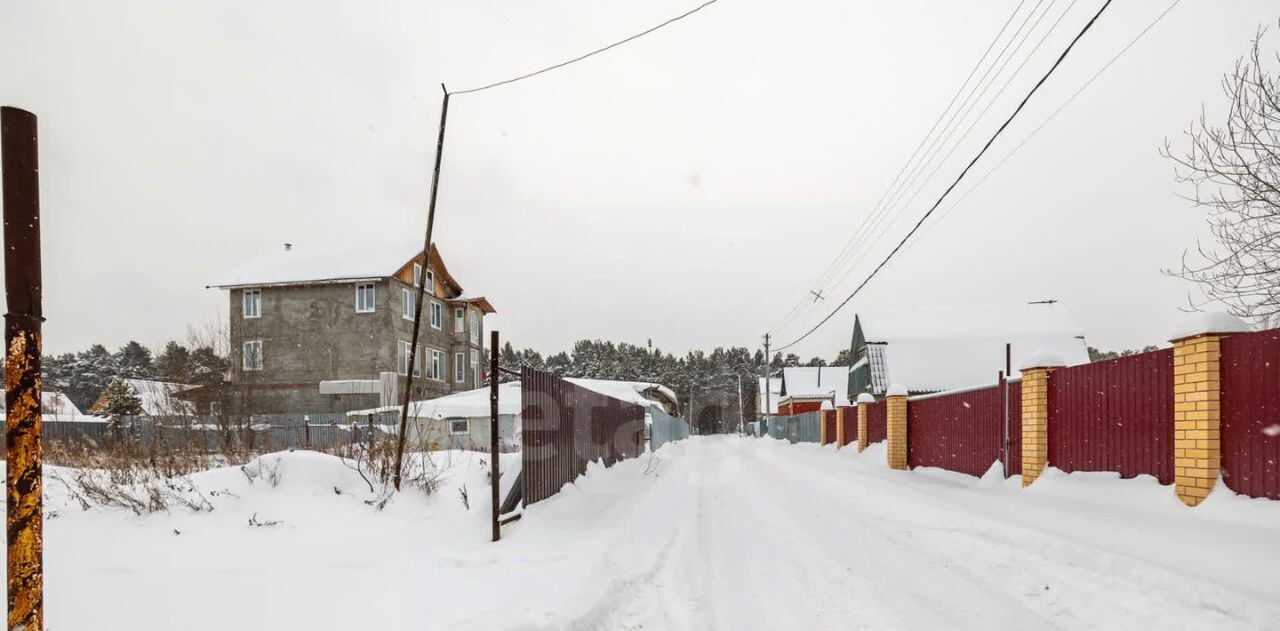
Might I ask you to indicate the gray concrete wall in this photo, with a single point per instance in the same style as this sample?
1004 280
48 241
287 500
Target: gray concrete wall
313 333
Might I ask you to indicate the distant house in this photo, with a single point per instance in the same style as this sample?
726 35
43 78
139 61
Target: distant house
330 331
461 420
804 388
55 407
941 348
772 386
158 398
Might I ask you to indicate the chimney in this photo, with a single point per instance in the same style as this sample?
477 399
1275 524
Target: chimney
288 246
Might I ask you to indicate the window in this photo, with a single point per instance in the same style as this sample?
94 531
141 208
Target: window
459 371
364 298
436 317
253 303
252 355
407 304
436 369
417 274
475 367
431 282
402 359
459 319
459 426
475 328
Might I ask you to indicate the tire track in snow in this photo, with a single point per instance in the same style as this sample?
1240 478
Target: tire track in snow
1093 585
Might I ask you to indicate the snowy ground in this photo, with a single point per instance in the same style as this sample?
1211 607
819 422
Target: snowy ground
712 533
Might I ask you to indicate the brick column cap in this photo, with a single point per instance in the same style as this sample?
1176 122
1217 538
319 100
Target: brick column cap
1208 323
1041 359
866 397
896 390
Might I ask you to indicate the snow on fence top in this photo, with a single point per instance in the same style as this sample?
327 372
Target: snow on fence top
1209 322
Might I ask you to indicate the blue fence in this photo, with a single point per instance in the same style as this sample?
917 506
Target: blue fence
800 428
665 429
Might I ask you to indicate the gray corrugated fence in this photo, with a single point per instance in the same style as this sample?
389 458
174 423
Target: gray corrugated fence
567 426
206 433
800 428
665 428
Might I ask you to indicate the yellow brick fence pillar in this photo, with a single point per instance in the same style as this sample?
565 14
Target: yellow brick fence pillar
1197 395
862 419
896 400
839 427
1036 371
864 400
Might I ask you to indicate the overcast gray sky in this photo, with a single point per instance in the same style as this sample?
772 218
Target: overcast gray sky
688 187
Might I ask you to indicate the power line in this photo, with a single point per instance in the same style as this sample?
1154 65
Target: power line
850 246
959 177
894 206
1047 120
893 184
592 53
972 124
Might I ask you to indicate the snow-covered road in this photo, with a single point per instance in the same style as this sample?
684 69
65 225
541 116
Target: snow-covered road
710 533
774 536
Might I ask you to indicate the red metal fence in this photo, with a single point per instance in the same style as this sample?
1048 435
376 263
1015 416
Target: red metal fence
1114 415
828 426
1250 431
849 421
566 426
877 422
961 432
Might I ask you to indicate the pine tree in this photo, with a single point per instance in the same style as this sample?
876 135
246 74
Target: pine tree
206 367
119 400
134 361
174 363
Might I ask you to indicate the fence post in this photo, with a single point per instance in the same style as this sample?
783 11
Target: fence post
864 400
1035 414
1197 395
840 427
23 482
896 424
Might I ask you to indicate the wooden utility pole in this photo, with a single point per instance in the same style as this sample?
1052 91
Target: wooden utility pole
494 471
421 282
742 416
767 366
23 483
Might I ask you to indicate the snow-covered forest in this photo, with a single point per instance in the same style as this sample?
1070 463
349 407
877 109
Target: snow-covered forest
83 375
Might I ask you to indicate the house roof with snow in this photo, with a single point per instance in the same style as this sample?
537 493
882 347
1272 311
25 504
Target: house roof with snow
946 347
298 266
56 406
158 398
775 393
812 382
475 403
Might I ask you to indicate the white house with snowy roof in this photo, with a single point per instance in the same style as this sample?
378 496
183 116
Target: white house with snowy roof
933 349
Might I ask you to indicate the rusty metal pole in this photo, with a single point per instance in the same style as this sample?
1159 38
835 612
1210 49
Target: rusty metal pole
493 432
23 484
